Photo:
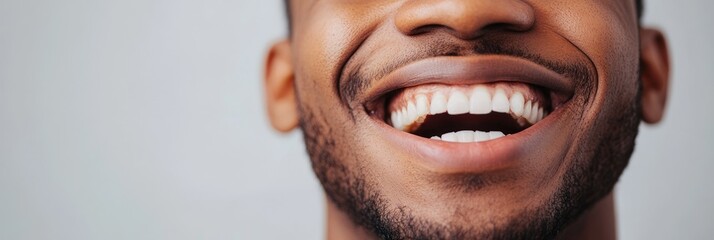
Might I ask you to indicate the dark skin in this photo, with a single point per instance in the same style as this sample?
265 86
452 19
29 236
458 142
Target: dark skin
347 62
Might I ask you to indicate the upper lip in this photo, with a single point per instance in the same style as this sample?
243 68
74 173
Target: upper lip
467 70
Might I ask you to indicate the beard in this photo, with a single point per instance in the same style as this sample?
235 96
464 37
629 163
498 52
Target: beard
583 185
594 170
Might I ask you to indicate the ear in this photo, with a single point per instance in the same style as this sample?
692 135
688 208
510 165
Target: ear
279 87
654 74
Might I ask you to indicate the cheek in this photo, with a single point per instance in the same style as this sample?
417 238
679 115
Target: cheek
326 34
316 55
317 48
607 33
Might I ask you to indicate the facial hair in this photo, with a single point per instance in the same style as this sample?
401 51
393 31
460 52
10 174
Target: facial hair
592 175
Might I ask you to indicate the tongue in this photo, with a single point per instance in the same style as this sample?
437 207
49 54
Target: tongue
436 125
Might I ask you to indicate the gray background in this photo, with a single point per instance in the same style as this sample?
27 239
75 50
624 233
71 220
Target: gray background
143 119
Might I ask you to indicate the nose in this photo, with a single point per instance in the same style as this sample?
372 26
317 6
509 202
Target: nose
465 19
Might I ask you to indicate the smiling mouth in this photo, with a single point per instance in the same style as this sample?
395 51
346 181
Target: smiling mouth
468 99
470 113
467 113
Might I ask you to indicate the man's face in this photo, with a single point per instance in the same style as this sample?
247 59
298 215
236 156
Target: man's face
404 106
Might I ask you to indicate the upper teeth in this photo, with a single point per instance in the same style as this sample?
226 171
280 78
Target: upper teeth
478 100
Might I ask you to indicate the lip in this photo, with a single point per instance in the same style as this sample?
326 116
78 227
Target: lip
478 157
471 70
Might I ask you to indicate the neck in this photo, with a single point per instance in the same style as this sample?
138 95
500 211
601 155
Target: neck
598 222
340 226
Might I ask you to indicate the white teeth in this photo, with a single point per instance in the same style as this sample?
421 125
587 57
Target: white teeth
465 136
500 102
534 113
449 137
527 110
540 115
396 121
438 104
481 136
480 101
458 104
412 112
404 118
517 102
495 134
422 105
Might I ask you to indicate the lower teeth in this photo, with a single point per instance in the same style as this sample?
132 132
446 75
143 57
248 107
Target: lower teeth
468 136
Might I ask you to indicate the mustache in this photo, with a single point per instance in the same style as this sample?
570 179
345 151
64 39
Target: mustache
360 78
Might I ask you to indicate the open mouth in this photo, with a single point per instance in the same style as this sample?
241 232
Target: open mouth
467 113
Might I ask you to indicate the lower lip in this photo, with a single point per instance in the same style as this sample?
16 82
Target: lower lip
479 157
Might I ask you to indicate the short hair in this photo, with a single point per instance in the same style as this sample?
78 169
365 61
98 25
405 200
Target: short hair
638 4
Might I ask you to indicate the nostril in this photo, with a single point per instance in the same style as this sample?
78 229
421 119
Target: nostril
464 19
425 29
496 26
